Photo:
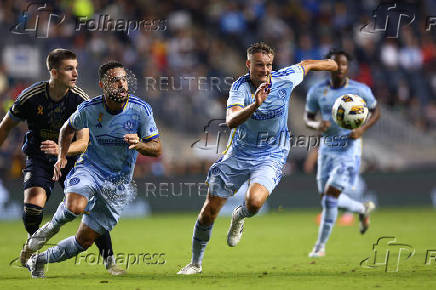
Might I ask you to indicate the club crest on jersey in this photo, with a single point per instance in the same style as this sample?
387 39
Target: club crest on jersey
74 181
129 125
282 93
40 110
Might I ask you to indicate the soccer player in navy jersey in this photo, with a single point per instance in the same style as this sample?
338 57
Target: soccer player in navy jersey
257 113
45 106
120 125
338 162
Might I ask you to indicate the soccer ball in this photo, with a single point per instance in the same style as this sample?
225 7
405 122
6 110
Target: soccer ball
350 111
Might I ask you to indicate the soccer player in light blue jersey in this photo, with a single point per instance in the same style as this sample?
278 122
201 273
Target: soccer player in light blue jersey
340 149
99 186
257 113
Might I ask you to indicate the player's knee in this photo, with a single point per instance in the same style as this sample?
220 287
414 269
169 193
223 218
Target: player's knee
332 191
254 205
76 203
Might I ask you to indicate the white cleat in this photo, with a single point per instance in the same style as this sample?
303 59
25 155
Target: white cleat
113 268
41 236
36 269
364 217
317 252
234 234
190 269
25 254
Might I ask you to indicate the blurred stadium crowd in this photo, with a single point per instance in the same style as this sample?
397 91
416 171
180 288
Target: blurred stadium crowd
185 67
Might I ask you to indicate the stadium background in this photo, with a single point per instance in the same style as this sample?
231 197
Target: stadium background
184 67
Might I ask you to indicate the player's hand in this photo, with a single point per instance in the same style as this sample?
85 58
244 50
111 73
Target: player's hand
132 140
324 125
356 133
261 94
50 147
60 164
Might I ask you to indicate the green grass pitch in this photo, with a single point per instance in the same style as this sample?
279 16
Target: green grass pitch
272 254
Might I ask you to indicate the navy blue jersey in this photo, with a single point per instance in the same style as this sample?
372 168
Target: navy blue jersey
44 116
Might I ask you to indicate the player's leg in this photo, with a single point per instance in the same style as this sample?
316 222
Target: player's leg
72 206
264 177
64 250
223 181
104 241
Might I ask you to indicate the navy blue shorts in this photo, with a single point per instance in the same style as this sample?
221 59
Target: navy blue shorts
39 173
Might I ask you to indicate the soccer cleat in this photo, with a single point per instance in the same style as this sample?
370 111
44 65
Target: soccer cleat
364 217
190 269
317 251
41 236
234 234
36 269
113 268
25 254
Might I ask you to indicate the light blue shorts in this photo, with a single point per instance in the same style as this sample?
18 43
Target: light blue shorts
337 170
106 200
228 174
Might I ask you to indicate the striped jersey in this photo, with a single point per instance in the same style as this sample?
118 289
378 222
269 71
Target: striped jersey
266 131
44 117
107 151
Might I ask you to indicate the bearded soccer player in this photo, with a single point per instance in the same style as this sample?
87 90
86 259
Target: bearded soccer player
45 106
120 125
257 113
338 162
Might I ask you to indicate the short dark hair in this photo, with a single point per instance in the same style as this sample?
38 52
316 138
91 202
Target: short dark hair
259 47
336 51
57 55
102 70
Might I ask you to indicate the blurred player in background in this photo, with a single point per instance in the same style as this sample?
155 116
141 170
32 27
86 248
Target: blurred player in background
45 106
338 162
257 113
120 125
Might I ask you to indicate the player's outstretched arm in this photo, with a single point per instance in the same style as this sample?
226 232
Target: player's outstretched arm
150 148
5 127
375 115
319 65
65 138
237 115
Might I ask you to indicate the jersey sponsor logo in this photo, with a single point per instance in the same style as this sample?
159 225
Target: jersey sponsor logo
74 181
268 114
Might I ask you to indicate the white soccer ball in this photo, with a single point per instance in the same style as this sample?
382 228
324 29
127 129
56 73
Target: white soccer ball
350 111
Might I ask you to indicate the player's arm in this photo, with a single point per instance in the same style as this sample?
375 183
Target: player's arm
375 115
310 120
77 147
5 127
237 115
150 148
65 138
319 65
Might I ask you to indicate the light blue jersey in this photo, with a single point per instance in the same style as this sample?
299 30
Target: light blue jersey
266 131
103 173
107 150
321 97
339 156
257 149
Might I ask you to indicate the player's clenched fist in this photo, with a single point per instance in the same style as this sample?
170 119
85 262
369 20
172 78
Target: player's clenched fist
61 163
49 147
132 140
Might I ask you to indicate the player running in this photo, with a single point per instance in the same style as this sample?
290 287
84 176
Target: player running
257 113
45 106
120 125
338 162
